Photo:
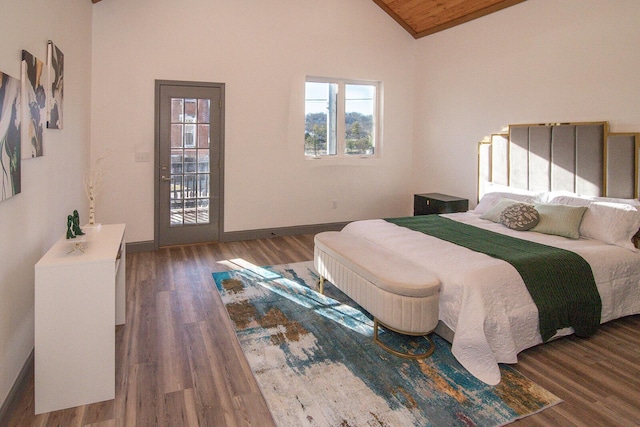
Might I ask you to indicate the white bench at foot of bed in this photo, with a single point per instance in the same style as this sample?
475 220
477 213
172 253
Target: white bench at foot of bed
400 294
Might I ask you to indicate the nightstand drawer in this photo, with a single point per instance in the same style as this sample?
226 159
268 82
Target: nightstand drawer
436 203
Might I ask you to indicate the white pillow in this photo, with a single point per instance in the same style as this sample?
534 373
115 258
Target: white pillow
552 196
631 202
492 187
612 223
494 212
573 200
567 198
489 200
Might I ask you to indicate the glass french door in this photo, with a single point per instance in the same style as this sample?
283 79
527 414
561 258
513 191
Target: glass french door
189 183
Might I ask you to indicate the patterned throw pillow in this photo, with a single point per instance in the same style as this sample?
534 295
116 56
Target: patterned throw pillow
520 216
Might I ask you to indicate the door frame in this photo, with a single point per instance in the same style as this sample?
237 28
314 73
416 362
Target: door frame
156 157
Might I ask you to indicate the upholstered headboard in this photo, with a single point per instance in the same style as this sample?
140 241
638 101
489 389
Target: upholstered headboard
583 158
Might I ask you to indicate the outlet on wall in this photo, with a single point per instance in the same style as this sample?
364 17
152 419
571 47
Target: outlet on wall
334 204
143 156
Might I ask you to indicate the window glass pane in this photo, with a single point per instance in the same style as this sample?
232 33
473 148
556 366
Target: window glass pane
189 136
190 110
176 161
359 119
190 211
176 136
177 110
203 185
177 212
203 161
203 110
190 161
203 136
203 211
190 202
190 190
176 187
320 118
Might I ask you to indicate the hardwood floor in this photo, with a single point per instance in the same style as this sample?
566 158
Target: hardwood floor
179 363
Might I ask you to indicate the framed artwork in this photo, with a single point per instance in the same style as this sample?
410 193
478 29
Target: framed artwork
34 106
55 69
9 136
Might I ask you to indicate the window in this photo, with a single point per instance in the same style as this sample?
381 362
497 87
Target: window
341 118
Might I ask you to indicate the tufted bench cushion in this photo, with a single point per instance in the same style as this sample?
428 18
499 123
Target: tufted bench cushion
383 268
400 293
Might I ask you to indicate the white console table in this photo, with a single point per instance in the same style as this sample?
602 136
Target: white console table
79 298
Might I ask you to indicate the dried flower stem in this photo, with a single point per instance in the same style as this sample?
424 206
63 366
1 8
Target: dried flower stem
93 183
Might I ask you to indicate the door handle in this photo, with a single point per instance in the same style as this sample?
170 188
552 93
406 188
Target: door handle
164 178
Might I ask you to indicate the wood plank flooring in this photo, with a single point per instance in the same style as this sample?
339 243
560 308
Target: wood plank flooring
179 363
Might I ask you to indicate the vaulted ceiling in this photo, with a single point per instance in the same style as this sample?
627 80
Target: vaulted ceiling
423 17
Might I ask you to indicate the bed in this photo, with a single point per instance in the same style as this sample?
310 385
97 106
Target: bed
485 308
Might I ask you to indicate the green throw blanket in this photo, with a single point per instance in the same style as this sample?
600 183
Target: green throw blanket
560 282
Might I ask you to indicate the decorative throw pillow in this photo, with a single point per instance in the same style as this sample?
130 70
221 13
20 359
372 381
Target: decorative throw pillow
561 220
520 216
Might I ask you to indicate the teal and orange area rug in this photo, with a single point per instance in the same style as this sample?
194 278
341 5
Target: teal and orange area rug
317 365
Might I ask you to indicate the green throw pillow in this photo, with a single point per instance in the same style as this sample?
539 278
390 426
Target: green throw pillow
520 217
561 220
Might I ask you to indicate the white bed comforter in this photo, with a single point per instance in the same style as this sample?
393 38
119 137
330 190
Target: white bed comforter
484 300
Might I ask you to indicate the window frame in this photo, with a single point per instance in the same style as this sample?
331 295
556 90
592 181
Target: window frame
341 146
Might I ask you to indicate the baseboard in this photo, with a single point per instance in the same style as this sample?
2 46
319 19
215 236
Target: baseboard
16 389
233 236
264 233
147 246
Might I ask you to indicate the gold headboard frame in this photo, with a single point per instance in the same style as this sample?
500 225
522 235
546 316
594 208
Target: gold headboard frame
584 158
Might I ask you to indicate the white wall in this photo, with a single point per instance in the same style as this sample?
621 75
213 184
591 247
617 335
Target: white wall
51 185
262 52
539 61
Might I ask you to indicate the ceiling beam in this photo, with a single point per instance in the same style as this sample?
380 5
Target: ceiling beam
396 17
468 17
424 17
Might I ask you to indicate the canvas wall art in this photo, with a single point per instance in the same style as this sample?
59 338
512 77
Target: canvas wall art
34 106
9 136
55 68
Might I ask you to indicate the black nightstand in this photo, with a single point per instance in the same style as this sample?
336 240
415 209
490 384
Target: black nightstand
436 203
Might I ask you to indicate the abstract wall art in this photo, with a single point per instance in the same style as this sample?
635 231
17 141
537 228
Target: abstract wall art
55 69
34 105
9 136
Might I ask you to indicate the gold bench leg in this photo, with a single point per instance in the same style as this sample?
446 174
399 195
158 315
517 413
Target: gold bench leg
321 285
429 352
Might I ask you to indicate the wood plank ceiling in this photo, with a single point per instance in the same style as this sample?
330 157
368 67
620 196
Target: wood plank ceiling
423 17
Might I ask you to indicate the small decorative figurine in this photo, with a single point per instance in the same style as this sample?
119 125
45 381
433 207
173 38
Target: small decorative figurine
76 224
70 234
75 232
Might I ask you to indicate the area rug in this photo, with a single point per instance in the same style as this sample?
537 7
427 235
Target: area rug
317 365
